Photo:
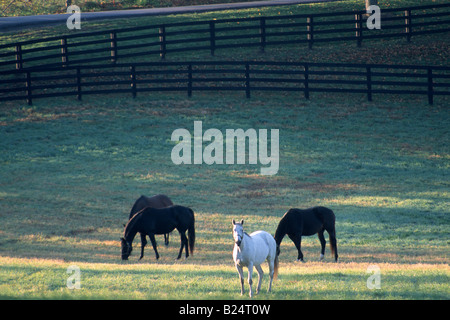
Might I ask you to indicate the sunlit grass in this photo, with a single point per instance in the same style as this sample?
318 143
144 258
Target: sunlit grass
69 181
39 278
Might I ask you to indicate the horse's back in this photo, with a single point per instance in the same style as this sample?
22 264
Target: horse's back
264 236
182 211
324 213
310 220
264 245
164 220
158 201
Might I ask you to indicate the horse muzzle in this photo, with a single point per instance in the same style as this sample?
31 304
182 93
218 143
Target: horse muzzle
238 243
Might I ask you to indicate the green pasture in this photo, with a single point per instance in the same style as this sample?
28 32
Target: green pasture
70 172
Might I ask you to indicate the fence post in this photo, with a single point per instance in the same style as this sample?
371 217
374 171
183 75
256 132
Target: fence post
408 24
19 62
310 30
358 27
78 84
369 83
162 41
190 80
133 80
212 36
28 86
262 32
306 83
247 80
430 86
113 37
64 56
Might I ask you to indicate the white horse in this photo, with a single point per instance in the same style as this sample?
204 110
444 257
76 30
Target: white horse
252 250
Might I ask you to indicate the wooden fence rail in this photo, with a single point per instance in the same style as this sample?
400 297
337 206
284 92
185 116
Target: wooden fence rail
112 46
243 76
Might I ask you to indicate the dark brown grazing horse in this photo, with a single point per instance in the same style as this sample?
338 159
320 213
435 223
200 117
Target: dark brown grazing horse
153 221
158 201
297 223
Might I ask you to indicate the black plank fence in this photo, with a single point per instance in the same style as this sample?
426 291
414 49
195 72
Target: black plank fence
148 42
244 76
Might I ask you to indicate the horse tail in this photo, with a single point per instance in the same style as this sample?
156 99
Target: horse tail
332 235
333 244
191 234
275 268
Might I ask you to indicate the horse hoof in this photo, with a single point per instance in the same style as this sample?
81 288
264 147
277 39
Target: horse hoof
321 257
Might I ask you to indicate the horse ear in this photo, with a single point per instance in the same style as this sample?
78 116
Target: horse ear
234 222
242 222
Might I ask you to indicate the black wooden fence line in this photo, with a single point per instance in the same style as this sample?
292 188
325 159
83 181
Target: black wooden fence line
160 40
243 76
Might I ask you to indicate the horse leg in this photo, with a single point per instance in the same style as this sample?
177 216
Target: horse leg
241 277
260 276
166 239
322 243
152 239
184 242
143 244
297 239
250 275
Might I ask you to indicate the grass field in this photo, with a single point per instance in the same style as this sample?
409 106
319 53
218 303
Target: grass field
70 172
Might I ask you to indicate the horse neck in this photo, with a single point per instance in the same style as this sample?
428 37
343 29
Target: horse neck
131 228
280 232
245 243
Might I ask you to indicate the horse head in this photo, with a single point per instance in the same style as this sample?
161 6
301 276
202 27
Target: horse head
126 248
238 232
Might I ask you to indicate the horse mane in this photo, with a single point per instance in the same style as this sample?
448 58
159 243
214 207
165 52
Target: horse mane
132 222
281 229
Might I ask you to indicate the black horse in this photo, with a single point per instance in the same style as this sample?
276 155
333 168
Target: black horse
297 223
158 201
153 221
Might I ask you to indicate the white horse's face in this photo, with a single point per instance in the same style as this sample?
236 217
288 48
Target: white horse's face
238 232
